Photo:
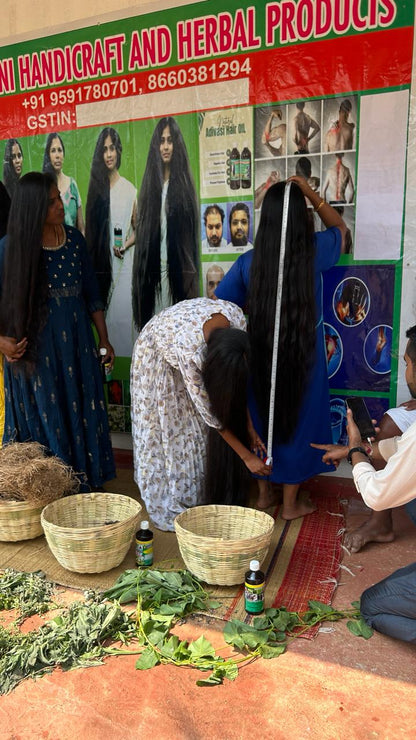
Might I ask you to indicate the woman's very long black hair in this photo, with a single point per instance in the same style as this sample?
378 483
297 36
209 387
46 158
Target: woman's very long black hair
24 289
298 310
97 212
226 374
182 228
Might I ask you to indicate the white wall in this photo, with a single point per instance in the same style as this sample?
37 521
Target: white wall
408 300
27 19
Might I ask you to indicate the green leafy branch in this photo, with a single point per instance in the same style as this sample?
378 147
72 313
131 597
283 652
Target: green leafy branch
270 634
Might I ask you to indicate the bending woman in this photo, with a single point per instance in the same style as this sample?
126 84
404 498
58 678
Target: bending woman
302 390
53 385
165 268
12 165
53 162
171 409
110 234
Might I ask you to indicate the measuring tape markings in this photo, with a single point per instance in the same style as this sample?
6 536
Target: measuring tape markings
273 379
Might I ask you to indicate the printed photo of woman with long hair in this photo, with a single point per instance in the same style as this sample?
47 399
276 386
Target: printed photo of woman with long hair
165 269
110 234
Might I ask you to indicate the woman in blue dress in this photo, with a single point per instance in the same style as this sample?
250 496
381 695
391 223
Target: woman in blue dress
49 295
302 392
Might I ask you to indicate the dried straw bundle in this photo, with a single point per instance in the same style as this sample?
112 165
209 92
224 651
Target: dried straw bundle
27 473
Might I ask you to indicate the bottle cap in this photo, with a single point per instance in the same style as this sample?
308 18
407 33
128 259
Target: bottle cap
254 565
103 351
144 524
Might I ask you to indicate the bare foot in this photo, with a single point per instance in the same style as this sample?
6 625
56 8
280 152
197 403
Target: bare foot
298 509
267 498
367 532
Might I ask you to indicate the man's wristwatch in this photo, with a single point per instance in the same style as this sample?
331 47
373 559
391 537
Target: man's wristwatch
356 449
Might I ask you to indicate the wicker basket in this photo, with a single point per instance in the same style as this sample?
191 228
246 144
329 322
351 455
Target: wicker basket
90 532
20 520
218 542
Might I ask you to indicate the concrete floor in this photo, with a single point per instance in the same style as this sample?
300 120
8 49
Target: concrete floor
334 687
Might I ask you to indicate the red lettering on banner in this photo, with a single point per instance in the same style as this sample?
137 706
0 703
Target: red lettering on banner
305 19
341 10
225 40
7 81
210 31
288 32
184 40
357 21
387 17
72 61
372 14
113 50
212 35
150 49
198 37
273 16
323 17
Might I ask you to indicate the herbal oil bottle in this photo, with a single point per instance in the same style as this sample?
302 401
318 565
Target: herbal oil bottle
105 367
254 589
234 168
144 545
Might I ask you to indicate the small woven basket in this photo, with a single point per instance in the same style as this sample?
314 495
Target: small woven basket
20 520
217 542
90 532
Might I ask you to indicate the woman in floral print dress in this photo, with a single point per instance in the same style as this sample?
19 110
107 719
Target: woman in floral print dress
171 409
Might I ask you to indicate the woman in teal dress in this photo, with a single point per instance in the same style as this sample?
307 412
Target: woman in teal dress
49 295
302 390
53 162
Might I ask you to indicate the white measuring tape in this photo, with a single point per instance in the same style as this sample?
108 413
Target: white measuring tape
273 379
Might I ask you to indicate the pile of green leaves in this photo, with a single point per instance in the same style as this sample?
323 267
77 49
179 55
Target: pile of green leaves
29 593
176 593
74 638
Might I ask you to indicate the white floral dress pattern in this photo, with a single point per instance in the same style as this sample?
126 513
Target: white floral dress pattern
170 407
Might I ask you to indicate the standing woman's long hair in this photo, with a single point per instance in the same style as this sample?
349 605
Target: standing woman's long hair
10 177
97 214
298 310
24 289
225 374
47 164
182 227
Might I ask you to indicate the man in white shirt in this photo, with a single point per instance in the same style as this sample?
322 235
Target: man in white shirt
395 422
390 605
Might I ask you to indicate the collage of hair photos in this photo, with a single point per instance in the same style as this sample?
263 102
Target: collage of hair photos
315 139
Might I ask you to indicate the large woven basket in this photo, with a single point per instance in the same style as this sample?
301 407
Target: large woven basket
20 520
217 542
91 532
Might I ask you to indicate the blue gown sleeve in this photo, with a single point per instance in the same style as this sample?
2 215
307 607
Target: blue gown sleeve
234 285
328 248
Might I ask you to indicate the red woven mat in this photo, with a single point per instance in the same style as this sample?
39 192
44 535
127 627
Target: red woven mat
302 563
